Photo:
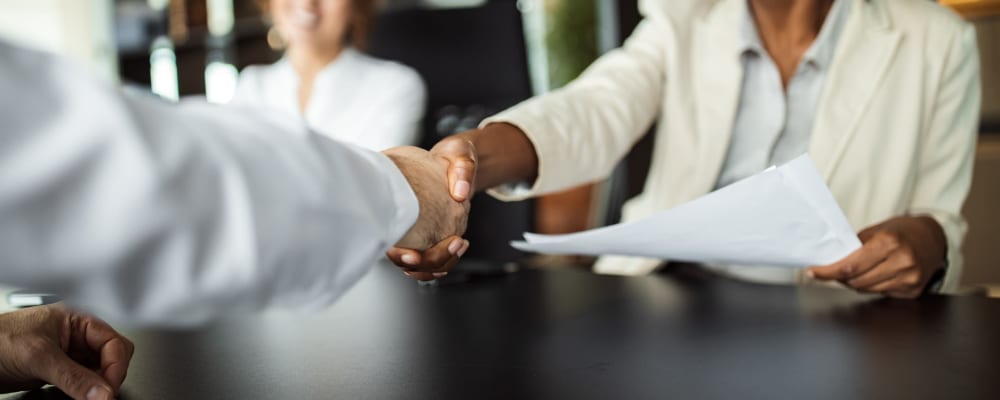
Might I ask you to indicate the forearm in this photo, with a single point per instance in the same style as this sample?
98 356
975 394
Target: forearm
504 155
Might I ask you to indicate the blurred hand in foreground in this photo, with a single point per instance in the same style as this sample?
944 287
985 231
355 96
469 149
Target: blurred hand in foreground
79 354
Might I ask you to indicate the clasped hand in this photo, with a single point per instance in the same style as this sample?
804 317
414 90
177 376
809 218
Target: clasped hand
433 245
898 258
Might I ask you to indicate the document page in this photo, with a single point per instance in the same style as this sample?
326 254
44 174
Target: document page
784 216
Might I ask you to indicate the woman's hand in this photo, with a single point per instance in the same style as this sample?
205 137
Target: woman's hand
898 258
81 355
432 263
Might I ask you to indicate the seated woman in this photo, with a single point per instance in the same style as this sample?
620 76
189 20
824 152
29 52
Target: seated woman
883 94
326 79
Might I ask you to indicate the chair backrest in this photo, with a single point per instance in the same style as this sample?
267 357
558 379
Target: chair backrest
474 63
473 60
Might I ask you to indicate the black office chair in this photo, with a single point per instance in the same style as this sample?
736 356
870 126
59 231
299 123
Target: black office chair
474 62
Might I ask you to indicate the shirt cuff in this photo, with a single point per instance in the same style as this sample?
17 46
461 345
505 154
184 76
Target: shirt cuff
407 207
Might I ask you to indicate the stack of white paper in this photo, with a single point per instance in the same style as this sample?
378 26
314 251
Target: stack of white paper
783 216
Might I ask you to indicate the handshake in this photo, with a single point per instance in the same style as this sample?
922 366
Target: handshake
442 180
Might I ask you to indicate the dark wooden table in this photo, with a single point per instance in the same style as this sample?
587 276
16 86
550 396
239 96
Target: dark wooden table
564 334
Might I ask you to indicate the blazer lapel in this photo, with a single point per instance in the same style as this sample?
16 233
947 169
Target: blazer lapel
863 55
718 77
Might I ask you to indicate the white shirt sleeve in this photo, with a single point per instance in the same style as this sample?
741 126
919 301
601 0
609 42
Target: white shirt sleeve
150 213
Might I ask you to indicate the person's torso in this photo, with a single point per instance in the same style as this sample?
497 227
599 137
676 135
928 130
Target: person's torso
348 99
868 121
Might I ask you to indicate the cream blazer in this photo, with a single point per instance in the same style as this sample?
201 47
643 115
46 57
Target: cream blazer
895 129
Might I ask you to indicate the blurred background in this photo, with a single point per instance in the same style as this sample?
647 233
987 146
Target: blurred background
476 57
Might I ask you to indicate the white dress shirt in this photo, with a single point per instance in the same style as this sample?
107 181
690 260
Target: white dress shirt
146 212
774 124
359 99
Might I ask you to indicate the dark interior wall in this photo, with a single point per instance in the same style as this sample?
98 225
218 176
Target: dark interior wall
474 64
628 17
185 23
988 33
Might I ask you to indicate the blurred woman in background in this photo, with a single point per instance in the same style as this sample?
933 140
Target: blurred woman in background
326 79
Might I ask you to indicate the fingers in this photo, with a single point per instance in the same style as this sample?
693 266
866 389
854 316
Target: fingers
75 380
433 263
901 284
873 279
461 156
883 272
115 350
461 173
885 264
64 348
434 259
441 266
897 277
862 260
444 255
858 262
404 258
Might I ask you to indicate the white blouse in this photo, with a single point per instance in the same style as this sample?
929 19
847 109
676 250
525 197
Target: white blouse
357 98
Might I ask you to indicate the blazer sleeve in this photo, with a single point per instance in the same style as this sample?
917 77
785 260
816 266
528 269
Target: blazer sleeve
947 150
146 212
582 130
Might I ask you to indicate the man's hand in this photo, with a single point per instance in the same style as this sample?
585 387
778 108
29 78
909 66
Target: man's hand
898 258
79 354
432 263
440 215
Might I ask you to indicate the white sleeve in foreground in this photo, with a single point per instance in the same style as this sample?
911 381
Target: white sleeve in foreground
150 213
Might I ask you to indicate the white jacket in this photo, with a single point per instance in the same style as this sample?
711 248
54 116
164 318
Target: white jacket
146 212
894 134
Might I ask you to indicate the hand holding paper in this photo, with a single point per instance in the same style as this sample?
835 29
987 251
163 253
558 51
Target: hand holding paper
783 216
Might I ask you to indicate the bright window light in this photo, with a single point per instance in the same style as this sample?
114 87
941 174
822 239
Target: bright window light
163 69
220 17
157 4
220 82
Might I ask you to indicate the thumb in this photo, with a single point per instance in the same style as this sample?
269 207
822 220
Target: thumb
73 379
461 173
460 154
